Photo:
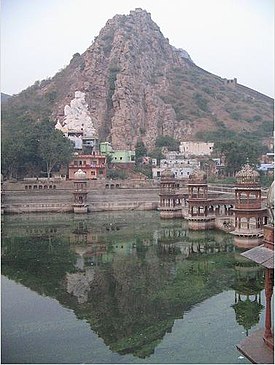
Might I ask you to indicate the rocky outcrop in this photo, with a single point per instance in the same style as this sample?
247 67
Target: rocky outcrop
137 86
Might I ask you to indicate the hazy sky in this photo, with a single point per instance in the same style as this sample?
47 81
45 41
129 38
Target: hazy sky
230 38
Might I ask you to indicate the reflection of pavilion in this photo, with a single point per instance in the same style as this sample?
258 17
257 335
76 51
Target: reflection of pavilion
247 310
180 241
248 284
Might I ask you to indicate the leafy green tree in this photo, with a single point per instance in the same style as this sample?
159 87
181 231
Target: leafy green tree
109 159
236 153
116 174
19 150
54 149
140 150
32 145
167 141
11 150
157 154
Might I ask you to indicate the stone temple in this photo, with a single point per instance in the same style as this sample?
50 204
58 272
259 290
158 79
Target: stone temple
78 125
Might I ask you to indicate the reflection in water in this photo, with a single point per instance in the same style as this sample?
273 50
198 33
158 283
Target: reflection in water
249 282
130 276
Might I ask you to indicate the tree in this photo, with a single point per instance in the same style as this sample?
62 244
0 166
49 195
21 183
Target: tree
19 150
29 145
167 141
109 159
54 149
157 154
140 150
236 153
11 154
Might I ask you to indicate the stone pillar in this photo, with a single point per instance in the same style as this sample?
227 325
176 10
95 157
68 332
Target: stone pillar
269 282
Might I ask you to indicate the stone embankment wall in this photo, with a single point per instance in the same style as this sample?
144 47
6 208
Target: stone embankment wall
57 196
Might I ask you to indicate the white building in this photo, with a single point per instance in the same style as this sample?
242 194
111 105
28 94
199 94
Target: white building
181 168
179 163
196 148
179 172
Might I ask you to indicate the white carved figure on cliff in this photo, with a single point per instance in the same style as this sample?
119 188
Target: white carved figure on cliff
77 118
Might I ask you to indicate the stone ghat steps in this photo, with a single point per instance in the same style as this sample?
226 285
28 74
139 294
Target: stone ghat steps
93 196
97 200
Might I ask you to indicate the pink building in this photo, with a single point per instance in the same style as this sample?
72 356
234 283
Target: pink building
94 166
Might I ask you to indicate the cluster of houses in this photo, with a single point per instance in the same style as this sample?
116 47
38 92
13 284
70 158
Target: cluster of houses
93 157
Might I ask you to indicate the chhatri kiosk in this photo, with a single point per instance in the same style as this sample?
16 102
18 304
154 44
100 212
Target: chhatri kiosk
199 216
250 216
80 192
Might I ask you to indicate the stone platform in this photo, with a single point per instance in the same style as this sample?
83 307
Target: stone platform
255 349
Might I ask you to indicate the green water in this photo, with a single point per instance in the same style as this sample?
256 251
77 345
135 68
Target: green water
124 288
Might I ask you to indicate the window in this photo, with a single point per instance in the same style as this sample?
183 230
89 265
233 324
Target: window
75 162
120 158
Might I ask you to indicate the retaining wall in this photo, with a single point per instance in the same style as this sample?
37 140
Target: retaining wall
102 196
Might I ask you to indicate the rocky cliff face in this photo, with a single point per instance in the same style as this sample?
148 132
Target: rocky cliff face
138 86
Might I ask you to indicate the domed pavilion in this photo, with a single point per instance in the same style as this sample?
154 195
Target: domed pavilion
80 192
250 216
199 217
170 199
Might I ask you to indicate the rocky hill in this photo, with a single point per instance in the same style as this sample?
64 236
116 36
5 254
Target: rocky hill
4 97
138 86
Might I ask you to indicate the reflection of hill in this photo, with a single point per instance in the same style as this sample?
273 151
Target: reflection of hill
130 299
39 264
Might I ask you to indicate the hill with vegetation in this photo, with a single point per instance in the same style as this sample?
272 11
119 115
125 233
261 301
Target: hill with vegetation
140 90
138 86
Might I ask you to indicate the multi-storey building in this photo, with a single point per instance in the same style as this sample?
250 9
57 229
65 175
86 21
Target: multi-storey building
196 148
180 167
94 166
124 158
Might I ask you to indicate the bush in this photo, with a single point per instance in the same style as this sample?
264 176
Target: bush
145 170
266 180
167 141
235 115
116 174
201 102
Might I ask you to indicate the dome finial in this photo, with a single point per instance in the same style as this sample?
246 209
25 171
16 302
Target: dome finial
80 175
